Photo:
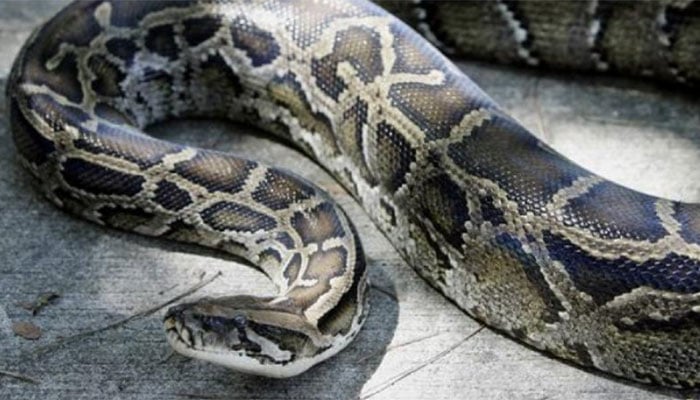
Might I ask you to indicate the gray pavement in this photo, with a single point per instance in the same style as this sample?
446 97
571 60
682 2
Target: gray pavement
416 345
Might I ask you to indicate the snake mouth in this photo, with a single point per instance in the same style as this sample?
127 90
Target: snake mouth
177 333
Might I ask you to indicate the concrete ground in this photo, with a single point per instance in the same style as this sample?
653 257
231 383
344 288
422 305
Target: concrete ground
103 338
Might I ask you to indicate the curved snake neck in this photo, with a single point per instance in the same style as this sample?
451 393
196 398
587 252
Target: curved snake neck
516 235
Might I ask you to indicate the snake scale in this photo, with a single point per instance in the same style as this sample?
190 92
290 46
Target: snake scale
512 232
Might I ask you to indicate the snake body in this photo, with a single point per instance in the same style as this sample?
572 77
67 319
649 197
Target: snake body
650 39
512 232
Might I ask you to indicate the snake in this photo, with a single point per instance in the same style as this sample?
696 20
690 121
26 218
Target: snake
515 234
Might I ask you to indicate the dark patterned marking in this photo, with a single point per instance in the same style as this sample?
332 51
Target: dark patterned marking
339 319
29 142
604 279
582 354
161 40
62 79
346 178
217 172
260 46
221 82
229 216
322 267
280 129
318 224
326 79
124 218
140 100
287 91
74 24
612 211
688 215
183 232
125 49
504 152
130 13
394 156
197 30
50 113
532 271
55 114
285 239
125 143
519 333
171 197
270 255
676 324
671 28
444 203
155 77
358 46
112 114
389 209
412 52
654 378
311 19
443 263
70 201
436 109
490 212
97 179
519 17
289 340
683 38
575 18
350 137
602 15
470 28
108 76
291 271
622 27
279 190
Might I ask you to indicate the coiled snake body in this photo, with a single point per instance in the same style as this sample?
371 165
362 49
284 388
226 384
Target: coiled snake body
519 237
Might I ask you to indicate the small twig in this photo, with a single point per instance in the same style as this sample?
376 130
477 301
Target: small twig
413 341
164 291
396 378
398 346
20 377
124 321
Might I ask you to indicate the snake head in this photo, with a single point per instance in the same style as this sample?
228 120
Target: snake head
248 334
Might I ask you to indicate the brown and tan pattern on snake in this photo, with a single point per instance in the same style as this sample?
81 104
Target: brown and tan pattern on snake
512 232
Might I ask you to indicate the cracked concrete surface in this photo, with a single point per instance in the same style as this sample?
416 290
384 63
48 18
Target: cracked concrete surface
414 345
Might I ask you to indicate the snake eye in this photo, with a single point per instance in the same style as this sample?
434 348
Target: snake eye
239 321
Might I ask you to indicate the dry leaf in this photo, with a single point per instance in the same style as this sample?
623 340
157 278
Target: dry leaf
26 330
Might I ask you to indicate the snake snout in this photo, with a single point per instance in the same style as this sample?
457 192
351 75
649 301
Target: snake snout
250 335
208 324
175 312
